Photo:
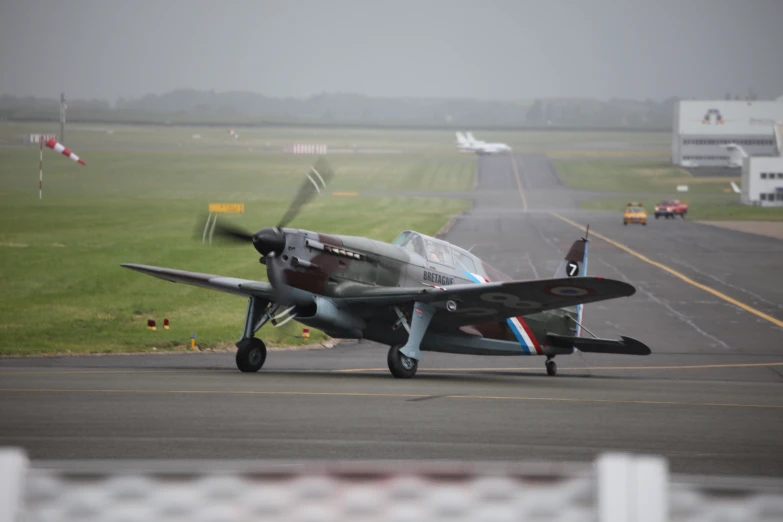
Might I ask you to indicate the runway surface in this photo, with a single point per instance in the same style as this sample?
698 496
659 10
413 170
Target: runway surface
708 303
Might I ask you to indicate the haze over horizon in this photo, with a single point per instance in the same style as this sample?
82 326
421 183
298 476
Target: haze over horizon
505 50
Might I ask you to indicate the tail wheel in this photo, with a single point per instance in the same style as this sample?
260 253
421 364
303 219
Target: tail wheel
401 366
251 355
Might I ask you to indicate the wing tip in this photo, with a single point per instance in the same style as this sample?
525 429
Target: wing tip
638 347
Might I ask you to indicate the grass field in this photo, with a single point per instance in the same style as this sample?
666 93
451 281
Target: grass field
640 176
62 286
589 145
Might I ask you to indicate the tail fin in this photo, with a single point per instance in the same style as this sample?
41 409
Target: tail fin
575 262
461 140
471 139
575 265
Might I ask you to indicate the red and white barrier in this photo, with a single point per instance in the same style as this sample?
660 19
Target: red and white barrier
36 138
305 148
58 147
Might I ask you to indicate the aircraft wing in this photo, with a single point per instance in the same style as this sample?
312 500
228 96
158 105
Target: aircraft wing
478 303
231 285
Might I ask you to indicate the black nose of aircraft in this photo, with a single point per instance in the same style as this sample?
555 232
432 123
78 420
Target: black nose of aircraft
269 240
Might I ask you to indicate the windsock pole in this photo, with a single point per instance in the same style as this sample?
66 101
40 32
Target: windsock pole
40 170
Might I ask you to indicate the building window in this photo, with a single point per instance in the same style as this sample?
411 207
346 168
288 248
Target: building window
763 197
763 175
780 196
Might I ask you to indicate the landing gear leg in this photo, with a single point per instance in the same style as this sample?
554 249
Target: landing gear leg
251 351
404 360
551 366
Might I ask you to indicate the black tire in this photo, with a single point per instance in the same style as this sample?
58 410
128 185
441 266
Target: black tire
551 368
657 216
400 366
251 355
625 223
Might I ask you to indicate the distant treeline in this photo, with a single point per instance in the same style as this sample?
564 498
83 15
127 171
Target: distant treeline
190 107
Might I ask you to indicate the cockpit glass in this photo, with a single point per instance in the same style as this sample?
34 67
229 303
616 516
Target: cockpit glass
400 239
439 253
412 242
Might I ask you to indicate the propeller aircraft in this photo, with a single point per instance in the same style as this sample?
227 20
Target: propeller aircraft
415 294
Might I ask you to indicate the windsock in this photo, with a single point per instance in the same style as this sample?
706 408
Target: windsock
233 133
58 147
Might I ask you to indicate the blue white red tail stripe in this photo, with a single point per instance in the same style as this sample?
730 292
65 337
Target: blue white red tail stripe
518 326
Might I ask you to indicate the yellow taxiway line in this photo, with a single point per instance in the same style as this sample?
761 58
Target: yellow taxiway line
579 400
578 368
519 184
675 273
23 372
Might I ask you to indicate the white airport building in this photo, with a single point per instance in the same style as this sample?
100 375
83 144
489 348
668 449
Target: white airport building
702 128
762 177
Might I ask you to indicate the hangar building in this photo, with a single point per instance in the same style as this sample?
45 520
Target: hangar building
762 177
701 128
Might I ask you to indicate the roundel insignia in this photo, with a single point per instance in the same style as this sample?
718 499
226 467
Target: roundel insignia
568 291
572 269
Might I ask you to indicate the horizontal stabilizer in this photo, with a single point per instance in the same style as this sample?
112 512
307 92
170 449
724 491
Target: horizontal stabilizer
626 346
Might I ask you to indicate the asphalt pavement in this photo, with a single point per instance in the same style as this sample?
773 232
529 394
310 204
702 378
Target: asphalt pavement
709 303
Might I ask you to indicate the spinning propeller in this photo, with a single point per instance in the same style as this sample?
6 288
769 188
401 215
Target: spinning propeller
270 241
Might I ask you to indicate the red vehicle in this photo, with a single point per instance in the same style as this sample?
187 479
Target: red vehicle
670 208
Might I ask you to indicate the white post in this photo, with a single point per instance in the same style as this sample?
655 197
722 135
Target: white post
613 487
212 232
632 489
13 468
652 489
206 227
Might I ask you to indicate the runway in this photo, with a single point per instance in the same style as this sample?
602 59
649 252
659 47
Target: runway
708 303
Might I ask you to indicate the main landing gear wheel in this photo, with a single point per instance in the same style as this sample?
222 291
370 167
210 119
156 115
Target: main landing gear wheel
251 354
401 366
551 367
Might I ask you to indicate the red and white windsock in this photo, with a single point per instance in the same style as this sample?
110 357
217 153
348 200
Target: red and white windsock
58 147
233 133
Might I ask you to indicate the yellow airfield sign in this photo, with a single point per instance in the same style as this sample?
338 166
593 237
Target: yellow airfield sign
226 208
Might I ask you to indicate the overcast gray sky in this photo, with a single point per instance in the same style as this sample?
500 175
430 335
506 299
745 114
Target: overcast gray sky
477 48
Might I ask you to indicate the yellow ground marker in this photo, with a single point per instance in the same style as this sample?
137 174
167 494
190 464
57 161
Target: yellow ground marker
346 194
390 395
519 184
677 274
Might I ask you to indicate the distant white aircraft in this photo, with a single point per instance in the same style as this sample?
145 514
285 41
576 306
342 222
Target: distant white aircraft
463 145
470 144
736 154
